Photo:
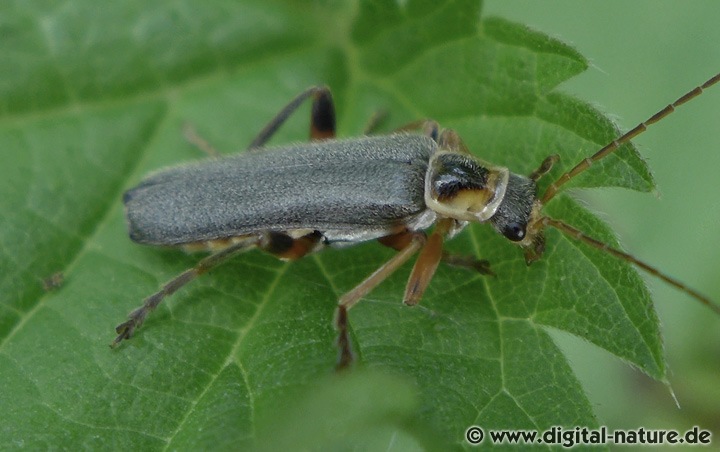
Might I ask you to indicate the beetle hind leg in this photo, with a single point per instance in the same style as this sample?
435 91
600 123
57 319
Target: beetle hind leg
279 244
285 247
136 318
199 142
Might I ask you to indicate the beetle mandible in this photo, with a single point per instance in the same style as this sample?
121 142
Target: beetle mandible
294 200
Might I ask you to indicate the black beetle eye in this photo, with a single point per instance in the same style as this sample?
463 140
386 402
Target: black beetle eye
514 231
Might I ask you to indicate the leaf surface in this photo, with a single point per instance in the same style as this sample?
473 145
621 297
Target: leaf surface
94 98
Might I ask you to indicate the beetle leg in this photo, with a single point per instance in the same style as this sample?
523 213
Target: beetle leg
375 121
451 141
322 117
400 240
135 319
426 263
350 299
481 266
287 248
544 167
397 241
447 139
322 120
428 127
199 142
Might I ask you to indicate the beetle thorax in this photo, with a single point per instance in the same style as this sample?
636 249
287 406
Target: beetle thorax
462 187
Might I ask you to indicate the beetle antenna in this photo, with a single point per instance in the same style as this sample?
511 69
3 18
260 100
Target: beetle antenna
614 145
582 237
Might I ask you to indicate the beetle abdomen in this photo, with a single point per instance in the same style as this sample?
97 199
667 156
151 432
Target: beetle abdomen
371 183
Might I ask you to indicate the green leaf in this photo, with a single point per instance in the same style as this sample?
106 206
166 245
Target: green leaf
93 98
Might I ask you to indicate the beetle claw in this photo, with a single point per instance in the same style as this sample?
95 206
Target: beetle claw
125 331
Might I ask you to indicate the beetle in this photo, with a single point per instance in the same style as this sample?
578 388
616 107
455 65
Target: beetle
294 200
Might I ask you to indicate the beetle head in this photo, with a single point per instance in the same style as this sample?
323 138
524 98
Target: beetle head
518 217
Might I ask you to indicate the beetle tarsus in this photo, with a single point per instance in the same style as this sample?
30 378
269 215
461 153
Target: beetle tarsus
544 167
126 329
481 266
345 354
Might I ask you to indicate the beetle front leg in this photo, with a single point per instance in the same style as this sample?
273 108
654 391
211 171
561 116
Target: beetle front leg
350 299
426 263
374 122
481 266
428 127
544 167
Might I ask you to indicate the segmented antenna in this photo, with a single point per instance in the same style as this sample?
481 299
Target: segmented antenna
576 234
581 236
613 146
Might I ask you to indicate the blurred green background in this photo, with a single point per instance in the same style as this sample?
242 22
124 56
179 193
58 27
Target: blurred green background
645 54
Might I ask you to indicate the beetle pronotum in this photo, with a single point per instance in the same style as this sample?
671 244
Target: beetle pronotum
293 200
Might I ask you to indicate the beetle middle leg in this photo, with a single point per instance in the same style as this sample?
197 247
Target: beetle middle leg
322 121
415 241
322 117
408 243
